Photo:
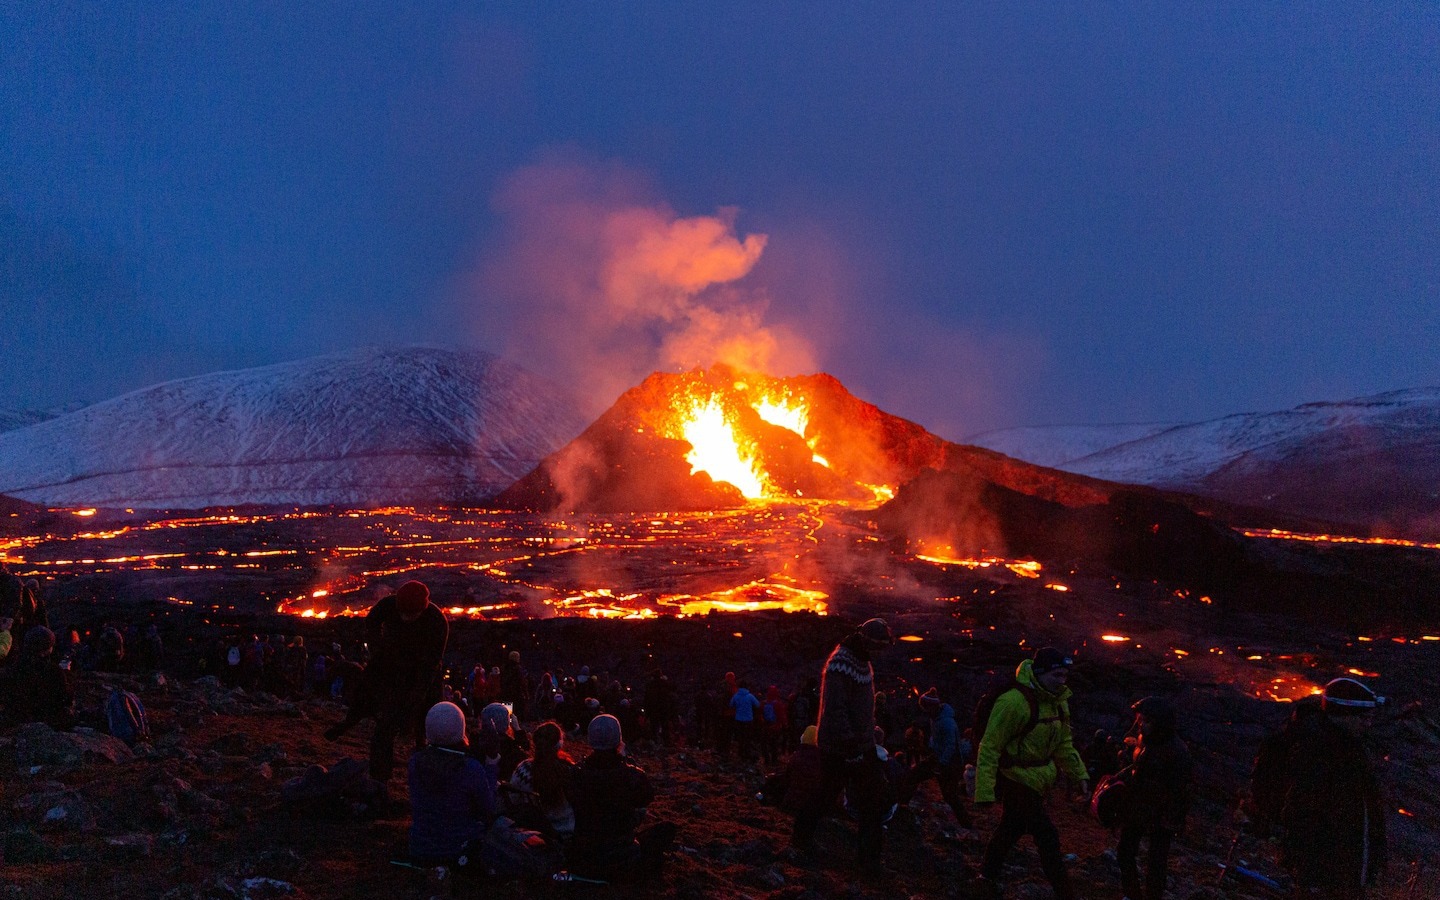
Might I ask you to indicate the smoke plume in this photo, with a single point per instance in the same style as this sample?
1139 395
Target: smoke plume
597 283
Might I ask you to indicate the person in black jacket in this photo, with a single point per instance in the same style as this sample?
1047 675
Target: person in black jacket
407 635
846 737
1315 780
34 688
609 795
1158 799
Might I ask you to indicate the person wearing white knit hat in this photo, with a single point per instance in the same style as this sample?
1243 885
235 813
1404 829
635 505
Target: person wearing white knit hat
453 796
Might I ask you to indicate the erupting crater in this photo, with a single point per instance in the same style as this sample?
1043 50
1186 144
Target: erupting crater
722 438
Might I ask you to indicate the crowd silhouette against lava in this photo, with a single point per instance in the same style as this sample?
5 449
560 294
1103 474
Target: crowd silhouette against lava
493 790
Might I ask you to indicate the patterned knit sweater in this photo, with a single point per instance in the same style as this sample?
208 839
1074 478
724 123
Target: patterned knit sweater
847 700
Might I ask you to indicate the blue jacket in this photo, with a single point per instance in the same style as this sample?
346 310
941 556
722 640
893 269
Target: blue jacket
452 800
746 705
945 736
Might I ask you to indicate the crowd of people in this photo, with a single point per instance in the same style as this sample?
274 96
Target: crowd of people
488 767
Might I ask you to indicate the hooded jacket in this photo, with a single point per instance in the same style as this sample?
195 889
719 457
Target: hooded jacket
945 737
1040 755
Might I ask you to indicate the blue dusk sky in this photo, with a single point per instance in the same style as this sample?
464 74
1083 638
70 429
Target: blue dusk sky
974 215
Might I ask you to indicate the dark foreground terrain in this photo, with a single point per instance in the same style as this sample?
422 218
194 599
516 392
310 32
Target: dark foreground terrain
197 813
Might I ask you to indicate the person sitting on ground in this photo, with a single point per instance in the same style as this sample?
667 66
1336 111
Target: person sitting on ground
452 795
609 794
796 786
538 798
34 688
499 738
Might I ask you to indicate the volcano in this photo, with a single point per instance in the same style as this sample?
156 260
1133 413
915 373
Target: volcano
719 438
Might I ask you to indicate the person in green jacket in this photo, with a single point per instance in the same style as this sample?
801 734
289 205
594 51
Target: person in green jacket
1027 743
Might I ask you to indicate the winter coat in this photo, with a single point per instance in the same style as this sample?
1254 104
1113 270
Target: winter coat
1037 760
1330 804
1159 782
945 737
609 794
36 689
559 815
452 800
799 784
744 705
847 701
405 667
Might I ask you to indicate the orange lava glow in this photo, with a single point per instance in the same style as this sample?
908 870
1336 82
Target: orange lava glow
725 423
1286 688
1281 535
716 451
1024 568
1115 638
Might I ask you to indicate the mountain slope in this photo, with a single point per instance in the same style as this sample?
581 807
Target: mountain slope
1371 461
372 426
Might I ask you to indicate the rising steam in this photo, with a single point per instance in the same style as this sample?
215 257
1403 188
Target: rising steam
597 283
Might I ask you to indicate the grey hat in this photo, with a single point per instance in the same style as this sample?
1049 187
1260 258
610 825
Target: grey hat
604 732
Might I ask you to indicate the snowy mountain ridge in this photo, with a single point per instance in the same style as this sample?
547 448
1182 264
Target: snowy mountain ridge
409 425
1372 460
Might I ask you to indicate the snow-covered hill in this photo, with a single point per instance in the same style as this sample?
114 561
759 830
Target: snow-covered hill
373 426
1372 461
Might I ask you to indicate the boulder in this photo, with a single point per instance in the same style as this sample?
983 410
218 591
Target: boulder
37 744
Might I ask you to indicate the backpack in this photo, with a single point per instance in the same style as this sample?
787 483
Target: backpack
125 717
986 705
508 851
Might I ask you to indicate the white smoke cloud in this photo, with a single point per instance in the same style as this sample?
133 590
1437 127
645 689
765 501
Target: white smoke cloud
597 283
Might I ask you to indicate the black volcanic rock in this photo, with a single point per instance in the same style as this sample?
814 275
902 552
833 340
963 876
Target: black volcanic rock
965 514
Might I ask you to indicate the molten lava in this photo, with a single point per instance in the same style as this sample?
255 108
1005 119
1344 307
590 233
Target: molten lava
721 426
715 450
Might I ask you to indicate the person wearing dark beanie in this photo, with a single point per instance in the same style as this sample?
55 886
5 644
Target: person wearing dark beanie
1027 743
407 635
846 737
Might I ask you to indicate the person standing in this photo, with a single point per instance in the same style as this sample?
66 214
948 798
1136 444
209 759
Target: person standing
745 708
1159 798
1026 744
1315 779
846 739
947 755
407 635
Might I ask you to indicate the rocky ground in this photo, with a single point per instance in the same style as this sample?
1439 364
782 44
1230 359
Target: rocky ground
198 813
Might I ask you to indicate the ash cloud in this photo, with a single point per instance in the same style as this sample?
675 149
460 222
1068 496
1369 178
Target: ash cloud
598 282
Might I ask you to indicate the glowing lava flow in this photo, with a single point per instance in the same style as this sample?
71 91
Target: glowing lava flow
716 451
708 421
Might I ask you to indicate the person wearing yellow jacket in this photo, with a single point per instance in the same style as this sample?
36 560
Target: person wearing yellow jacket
1027 743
